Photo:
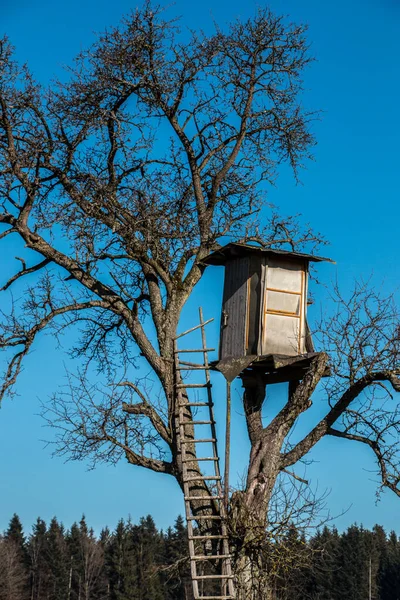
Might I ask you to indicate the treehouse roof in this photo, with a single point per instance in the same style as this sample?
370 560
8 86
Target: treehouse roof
236 250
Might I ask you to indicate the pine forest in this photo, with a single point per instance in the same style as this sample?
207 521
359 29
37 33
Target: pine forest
140 562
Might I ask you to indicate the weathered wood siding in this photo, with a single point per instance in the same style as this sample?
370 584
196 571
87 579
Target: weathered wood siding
234 308
254 309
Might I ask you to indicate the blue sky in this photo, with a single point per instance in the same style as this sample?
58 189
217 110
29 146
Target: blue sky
350 194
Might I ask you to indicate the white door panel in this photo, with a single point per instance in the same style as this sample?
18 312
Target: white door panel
284 309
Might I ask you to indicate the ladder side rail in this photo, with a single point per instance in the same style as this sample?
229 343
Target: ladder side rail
197 579
226 563
209 394
192 549
186 486
226 577
211 411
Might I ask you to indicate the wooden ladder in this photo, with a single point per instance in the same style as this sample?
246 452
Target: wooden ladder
220 559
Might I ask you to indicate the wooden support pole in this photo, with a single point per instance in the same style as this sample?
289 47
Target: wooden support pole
227 445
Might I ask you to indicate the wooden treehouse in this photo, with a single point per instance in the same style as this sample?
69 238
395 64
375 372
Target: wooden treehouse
264 332
264 312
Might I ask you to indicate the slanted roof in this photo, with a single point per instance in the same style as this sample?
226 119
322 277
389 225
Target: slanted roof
235 250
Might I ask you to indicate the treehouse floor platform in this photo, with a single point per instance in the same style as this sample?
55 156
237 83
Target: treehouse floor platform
274 368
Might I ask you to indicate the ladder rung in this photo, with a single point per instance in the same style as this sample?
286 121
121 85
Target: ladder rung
189 363
211 557
193 329
193 385
216 597
195 350
202 478
207 537
194 459
204 518
193 368
198 422
196 404
198 441
213 577
188 498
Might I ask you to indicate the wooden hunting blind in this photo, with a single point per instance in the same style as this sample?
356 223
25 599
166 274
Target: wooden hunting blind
264 339
264 307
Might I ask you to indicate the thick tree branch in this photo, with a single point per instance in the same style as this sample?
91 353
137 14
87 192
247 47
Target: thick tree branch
146 409
336 412
114 301
300 398
159 466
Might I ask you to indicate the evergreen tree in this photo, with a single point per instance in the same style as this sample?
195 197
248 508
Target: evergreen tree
353 573
138 562
121 563
58 562
105 543
324 566
376 543
39 572
74 563
147 543
176 578
15 533
389 572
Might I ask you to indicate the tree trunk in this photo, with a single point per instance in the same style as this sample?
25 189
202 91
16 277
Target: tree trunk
251 579
248 518
70 581
250 550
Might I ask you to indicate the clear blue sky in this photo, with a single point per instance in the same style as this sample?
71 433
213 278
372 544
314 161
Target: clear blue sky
350 193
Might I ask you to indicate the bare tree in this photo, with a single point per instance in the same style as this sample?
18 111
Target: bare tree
13 578
93 564
119 183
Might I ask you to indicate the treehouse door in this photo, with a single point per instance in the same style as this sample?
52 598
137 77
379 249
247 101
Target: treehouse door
284 307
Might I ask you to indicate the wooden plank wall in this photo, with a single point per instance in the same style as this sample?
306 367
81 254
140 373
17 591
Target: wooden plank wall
234 305
255 294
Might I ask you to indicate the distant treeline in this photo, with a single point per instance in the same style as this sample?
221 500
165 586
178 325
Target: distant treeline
139 562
